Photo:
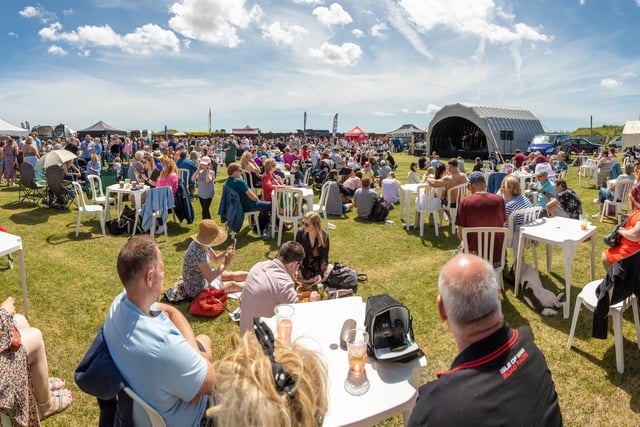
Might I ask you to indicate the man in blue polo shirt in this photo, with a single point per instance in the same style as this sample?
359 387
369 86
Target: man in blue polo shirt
153 345
500 377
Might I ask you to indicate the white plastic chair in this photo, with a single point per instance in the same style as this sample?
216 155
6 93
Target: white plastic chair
321 206
96 193
454 195
620 199
183 175
588 170
149 416
486 245
307 176
425 205
85 209
288 206
528 215
587 298
248 177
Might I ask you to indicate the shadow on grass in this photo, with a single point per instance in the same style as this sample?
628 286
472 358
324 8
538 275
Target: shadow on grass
36 216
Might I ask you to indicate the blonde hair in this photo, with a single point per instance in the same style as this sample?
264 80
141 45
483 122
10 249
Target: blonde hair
247 390
269 164
513 184
244 159
314 220
168 167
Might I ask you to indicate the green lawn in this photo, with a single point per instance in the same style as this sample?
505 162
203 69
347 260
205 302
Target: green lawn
72 282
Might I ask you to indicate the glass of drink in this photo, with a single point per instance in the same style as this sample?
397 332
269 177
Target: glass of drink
127 183
584 221
357 382
284 321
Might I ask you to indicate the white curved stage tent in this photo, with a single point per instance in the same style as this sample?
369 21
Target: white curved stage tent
470 130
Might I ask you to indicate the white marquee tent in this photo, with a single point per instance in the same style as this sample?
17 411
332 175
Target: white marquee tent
7 128
631 133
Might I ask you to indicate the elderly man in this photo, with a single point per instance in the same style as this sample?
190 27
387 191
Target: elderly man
545 189
500 377
270 283
153 345
481 209
566 204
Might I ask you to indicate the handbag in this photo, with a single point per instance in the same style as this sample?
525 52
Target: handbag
613 238
345 277
211 302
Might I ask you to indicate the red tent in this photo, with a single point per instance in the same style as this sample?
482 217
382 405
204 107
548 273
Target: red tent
356 134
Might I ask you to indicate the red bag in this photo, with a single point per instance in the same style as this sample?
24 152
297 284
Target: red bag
209 303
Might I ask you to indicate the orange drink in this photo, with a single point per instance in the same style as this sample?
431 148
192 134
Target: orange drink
357 359
284 321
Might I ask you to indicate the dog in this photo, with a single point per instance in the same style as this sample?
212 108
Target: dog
540 299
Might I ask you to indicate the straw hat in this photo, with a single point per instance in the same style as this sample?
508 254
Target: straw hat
157 154
209 233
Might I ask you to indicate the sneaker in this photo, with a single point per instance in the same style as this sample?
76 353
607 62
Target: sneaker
160 229
597 216
596 201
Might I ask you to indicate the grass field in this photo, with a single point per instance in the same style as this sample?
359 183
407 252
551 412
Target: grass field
72 282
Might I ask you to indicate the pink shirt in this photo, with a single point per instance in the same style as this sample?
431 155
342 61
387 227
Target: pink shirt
170 181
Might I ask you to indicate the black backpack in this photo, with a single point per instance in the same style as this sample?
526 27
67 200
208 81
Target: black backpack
380 210
390 328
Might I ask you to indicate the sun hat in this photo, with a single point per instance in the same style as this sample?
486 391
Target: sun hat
476 177
205 160
157 154
209 234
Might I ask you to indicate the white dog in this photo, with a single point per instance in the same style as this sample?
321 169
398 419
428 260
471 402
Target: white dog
540 299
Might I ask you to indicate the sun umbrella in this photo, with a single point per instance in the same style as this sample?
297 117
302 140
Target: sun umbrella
55 157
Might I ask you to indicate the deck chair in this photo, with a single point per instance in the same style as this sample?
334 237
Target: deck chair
620 199
86 209
143 413
61 193
427 203
454 195
95 187
30 189
287 206
487 245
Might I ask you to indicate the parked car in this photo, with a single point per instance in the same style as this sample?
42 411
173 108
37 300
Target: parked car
577 145
616 142
549 143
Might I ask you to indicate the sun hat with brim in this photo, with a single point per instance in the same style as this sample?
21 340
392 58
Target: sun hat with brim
205 161
209 234
157 154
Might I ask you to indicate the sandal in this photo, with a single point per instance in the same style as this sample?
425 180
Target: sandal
56 383
61 398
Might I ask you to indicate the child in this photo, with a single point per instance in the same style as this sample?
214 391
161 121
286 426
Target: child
205 177
117 165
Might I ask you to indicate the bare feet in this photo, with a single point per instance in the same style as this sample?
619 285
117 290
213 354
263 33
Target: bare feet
59 400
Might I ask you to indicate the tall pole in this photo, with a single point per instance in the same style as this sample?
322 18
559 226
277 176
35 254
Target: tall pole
591 128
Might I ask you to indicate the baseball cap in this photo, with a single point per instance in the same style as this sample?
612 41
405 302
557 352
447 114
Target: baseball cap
476 177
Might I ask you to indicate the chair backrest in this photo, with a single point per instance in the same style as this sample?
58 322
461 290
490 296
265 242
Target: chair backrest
487 166
590 163
183 175
324 195
27 175
55 176
289 202
621 194
522 216
79 194
108 178
455 194
307 177
153 418
248 177
487 239
426 196
95 183
561 174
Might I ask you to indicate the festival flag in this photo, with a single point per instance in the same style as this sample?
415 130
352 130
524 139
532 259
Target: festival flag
209 120
304 126
335 125
166 133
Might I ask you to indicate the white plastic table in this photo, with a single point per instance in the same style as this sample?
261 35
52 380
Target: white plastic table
562 232
10 243
137 195
393 385
406 190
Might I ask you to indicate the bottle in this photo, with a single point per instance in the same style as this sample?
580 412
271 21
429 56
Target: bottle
315 295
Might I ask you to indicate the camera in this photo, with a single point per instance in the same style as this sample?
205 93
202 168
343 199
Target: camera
389 334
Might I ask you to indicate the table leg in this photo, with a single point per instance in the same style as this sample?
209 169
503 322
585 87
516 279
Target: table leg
593 251
518 262
407 210
549 253
23 278
108 206
274 211
568 257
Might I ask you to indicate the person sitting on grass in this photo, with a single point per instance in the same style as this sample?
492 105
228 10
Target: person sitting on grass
363 199
27 392
197 274
566 203
315 266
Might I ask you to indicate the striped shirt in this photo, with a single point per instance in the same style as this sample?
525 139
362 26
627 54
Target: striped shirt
518 202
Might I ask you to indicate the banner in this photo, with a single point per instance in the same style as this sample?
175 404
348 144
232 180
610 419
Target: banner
304 126
335 125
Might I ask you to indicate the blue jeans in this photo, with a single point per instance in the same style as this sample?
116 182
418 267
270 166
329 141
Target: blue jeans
605 194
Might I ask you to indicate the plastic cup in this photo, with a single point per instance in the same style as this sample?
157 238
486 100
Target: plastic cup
356 382
121 183
584 221
284 321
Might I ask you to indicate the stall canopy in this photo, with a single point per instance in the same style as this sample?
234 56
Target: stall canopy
406 131
631 133
7 128
356 134
99 129
470 130
247 130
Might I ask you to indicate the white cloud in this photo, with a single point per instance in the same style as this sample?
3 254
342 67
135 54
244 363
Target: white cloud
282 33
378 30
213 21
37 12
68 12
84 53
397 19
359 33
431 109
311 2
12 34
610 83
346 54
582 2
57 50
629 74
144 40
383 114
333 15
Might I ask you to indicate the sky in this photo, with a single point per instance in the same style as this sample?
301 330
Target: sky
379 64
